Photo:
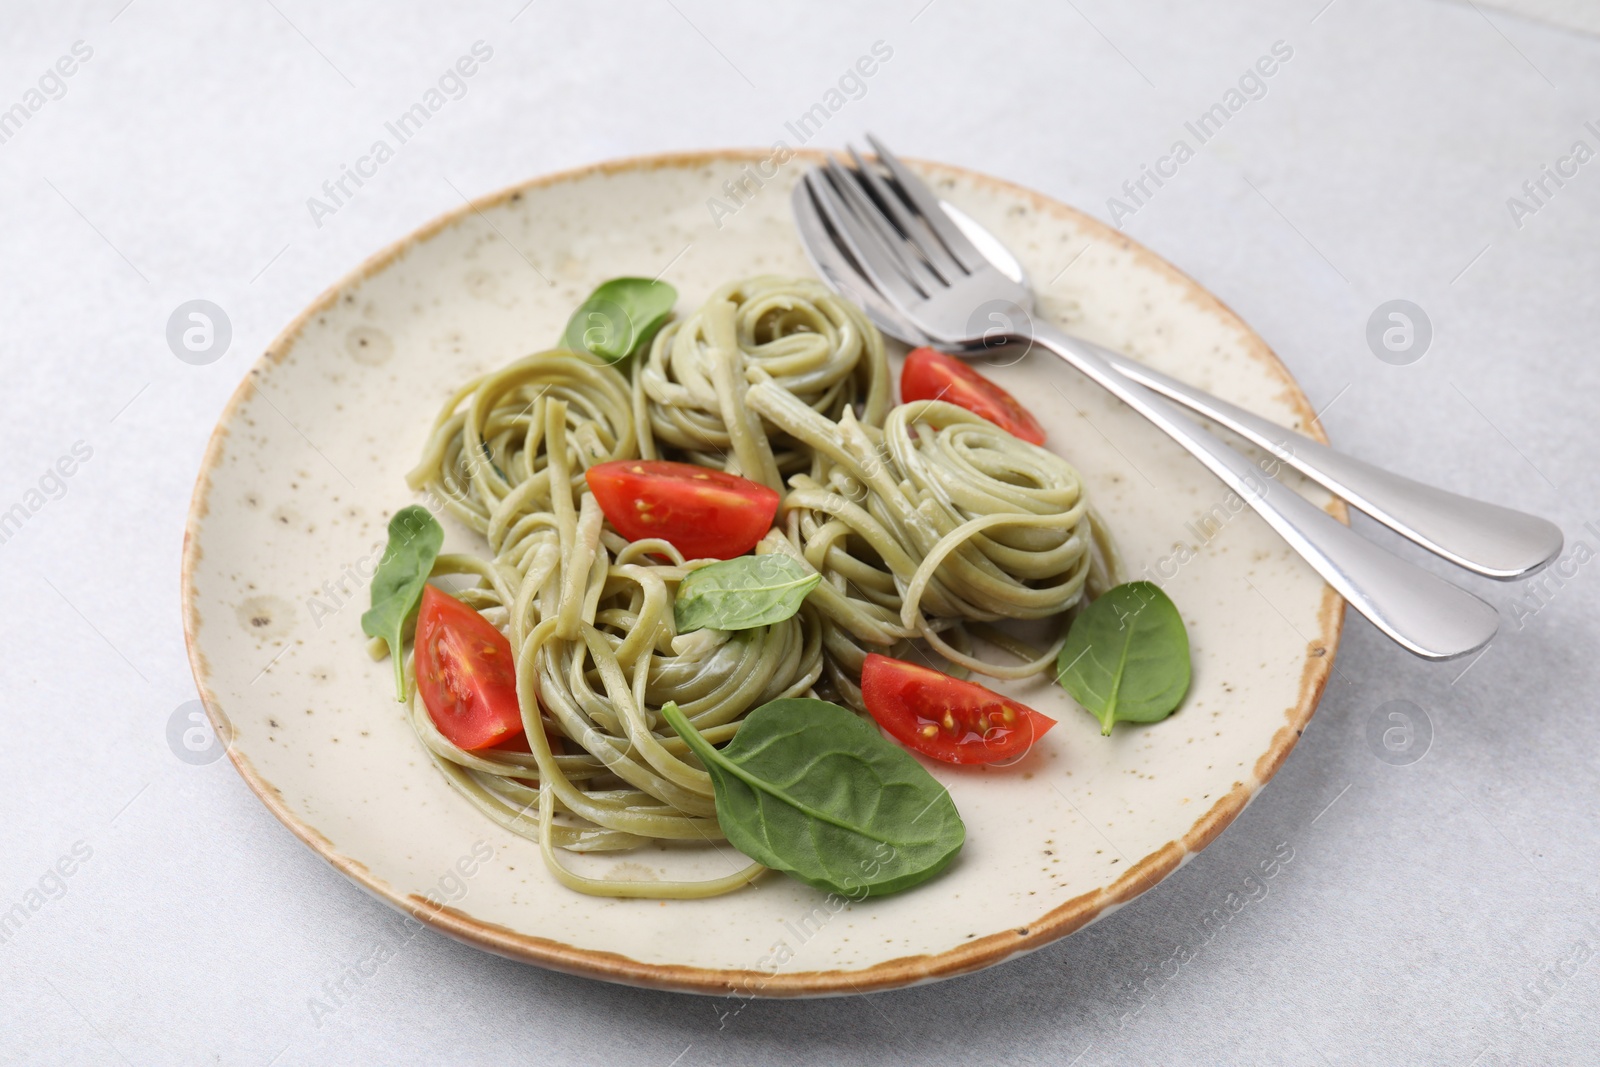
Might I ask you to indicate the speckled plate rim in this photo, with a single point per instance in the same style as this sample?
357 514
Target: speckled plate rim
890 974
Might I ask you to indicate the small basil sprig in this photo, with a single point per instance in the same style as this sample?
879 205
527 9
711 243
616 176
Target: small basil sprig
415 537
742 593
1127 656
619 318
810 789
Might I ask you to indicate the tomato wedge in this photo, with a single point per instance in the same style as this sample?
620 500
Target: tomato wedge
703 513
946 718
930 375
465 674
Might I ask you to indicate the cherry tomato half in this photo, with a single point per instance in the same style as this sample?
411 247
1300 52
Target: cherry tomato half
930 375
465 674
703 513
946 718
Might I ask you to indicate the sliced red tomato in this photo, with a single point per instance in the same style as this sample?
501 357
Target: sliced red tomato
946 718
465 674
703 513
930 375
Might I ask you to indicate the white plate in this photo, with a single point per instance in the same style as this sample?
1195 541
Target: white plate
306 466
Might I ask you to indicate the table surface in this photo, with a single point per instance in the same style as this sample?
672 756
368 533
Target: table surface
1441 903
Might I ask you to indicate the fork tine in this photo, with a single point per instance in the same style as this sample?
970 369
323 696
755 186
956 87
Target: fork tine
872 217
922 200
844 276
916 235
864 246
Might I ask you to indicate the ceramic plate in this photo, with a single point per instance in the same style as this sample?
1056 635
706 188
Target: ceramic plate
306 467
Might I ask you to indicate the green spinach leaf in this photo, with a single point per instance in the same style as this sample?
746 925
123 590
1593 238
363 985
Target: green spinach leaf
415 537
810 789
743 593
1127 656
619 318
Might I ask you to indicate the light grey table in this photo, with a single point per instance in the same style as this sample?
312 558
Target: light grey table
1440 909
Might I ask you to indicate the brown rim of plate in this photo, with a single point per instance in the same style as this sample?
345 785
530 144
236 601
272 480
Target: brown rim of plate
910 970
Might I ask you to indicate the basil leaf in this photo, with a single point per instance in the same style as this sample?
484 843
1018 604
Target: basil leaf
810 789
743 593
415 537
1127 656
619 317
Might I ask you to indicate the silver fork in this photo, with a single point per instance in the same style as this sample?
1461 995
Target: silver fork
890 245
1494 541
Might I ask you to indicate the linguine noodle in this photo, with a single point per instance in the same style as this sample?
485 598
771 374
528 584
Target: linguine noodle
926 522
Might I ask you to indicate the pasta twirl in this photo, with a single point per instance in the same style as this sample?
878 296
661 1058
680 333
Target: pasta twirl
925 522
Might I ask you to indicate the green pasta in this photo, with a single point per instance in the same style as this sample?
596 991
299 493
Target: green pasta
938 520
925 522
689 393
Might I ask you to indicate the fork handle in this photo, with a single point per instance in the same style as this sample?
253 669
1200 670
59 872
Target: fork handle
1422 612
1491 540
